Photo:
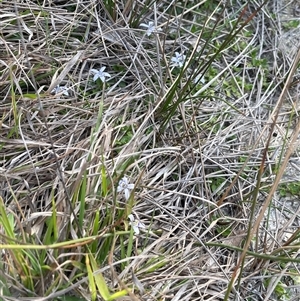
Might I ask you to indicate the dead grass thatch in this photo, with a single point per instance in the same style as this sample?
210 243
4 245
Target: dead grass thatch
195 181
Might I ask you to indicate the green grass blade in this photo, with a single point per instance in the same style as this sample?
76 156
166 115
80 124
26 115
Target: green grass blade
99 279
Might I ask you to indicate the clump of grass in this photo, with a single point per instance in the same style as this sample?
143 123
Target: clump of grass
138 152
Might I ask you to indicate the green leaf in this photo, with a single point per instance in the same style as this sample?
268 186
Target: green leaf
92 285
99 279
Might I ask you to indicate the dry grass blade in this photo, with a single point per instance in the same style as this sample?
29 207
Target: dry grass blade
152 109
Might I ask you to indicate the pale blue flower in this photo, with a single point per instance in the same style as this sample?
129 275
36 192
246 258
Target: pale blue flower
136 224
60 90
125 186
150 28
199 78
178 60
100 74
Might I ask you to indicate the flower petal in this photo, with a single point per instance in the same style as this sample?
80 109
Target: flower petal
106 74
66 93
141 225
131 217
144 25
127 193
125 181
136 229
130 186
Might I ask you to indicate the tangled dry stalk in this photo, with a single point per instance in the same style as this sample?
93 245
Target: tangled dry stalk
202 173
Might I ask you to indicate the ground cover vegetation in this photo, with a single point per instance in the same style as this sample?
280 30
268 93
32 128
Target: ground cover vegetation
147 151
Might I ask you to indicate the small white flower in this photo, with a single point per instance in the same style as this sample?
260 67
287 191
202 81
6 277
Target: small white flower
125 186
178 60
59 90
100 74
150 28
199 78
136 224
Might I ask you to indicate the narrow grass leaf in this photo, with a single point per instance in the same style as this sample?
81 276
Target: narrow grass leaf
123 252
104 188
6 221
92 285
117 295
96 227
99 279
82 196
54 218
130 243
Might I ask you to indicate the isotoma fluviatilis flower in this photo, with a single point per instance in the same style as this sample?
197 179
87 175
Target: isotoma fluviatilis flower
60 90
150 28
100 74
199 79
178 60
125 186
136 224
